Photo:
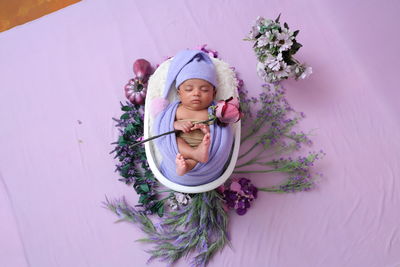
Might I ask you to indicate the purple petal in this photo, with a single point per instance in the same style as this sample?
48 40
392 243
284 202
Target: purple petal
243 181
241 211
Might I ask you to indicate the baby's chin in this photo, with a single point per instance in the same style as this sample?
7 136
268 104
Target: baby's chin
196 106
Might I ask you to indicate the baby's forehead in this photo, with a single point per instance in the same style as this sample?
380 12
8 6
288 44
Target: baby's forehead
196 82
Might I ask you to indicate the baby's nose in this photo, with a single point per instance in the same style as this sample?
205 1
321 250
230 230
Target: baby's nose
196 92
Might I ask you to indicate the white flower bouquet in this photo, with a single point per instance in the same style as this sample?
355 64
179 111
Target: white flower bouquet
275 46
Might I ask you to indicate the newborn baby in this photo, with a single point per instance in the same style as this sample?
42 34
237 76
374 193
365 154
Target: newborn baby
198 153
193 143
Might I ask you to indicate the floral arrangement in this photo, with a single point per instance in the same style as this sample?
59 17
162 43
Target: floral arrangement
196 224
275 46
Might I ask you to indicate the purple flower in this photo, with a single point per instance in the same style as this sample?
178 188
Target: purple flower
238 193
235 186
241 211
243 181
232 195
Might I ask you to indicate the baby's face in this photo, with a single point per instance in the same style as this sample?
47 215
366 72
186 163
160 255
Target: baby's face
196 94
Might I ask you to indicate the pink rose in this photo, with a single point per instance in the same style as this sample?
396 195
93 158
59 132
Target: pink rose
228 111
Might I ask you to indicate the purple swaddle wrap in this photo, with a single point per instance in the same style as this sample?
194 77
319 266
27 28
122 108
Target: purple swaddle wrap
202 173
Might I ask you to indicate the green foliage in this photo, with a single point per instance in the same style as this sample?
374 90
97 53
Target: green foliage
133 166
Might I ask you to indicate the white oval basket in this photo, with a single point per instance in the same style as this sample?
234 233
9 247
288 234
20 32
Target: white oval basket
227 87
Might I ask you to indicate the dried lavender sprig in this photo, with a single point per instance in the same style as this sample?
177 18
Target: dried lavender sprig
273 110
293 184
288 165
200 227
127 213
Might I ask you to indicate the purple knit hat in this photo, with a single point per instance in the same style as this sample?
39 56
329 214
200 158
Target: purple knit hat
190 64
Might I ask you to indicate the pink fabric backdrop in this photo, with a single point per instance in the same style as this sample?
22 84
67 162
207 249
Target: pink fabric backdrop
72 65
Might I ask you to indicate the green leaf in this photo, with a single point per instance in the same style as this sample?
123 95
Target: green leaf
145 188
160 211
295 47
157 206
286 26
129 128
126 167
121 141
277 19
295 33
144 199
124 170
125 116
124 174
139 121
149 175
126 108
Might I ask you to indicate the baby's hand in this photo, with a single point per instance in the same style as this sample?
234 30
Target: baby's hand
203 127
183 126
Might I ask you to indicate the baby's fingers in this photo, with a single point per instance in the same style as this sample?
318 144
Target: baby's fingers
204 128
196 126
186 128
189 124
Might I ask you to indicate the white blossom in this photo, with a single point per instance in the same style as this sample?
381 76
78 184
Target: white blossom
253 33
284 71
268 22
263 40
306 73
172 204
273 62
182 199
284 41
259 21
261 70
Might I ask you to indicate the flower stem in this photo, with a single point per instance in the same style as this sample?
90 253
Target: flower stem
170 132
284 169
246 137
246 163
253 131
252 161
165 198
241 156
261 171
153 137
269 189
